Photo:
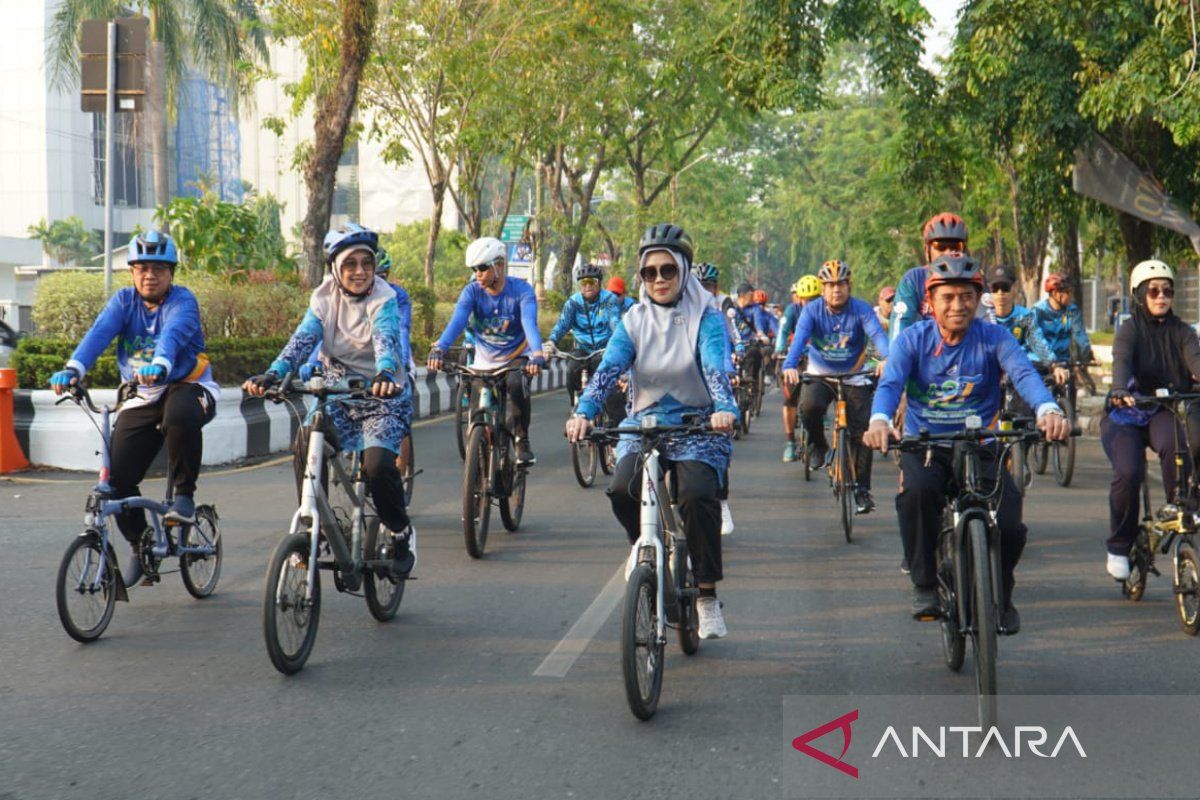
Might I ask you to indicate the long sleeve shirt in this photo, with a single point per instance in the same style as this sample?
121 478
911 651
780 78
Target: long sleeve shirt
1060 329
504 325
836 341
592 323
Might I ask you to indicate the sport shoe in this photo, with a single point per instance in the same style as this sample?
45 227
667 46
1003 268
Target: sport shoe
1010 620
183 510
525 456
712 623
904 568
1118 566
404 551
817 456
865 504
925 604
789 452
726 519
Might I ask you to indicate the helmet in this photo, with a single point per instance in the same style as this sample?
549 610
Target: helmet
485 250
706 273
945 226
1001 273
1055 282
616 285
834 271
153 247
808 287
588 271
352 234
744 287
1148 270
953 269
383 263
760 297
887 293
667 236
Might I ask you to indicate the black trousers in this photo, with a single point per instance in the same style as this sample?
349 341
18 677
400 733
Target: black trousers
384 481
695 489
138 435
814 402
923 494
614 404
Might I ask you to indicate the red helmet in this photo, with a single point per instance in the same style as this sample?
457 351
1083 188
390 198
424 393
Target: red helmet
616 285
1056 282
945 226
760 297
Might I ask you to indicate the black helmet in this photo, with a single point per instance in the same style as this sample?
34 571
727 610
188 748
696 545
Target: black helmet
667 236
743 288
588 271
954 269
1001 273
706 273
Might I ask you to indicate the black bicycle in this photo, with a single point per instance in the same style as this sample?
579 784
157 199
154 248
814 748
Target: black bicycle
460 398
586 456
1012 418
1062 454
491 473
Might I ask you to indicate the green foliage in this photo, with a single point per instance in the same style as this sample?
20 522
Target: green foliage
67 241
66 303
406 246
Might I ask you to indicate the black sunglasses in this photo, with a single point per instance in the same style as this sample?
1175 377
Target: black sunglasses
483 267
668 272
1001 287
1153 292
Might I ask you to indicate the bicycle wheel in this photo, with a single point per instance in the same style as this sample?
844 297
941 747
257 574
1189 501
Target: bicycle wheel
954 642
983 615
476 501
583 461
744 406
200 573
804 453
759 390
845 486
641 652
289 619
512 508
85 607
608 458
406 462
688 629
1064 452
1134 587
381 589
461 402
1187 588
1016 466
1041 457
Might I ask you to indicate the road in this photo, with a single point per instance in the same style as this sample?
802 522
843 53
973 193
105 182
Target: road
178 700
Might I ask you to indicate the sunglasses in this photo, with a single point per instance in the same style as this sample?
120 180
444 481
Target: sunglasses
1001 287
940 246
668 272
589 282
1153 292
484 267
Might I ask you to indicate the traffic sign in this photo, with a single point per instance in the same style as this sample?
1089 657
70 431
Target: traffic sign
514 227
132 44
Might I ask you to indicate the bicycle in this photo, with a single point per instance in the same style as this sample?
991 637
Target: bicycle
491 472
587 455
89 580
460 398
346 542
747 393
968 553
1061 453
1018 459
661 590
843 477
1172 529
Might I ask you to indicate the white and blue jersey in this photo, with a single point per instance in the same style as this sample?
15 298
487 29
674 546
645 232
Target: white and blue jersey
592 323
1058 329
836 341
504 325
404 307
947 383
764 321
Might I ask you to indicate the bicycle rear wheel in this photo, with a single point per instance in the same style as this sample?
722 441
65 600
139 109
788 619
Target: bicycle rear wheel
289 619
85 606
408 467
1041 457
804 453
512 508
1187 588
1016 465
382 590
688 630
983 614
1064 452
476 500
584 456
641 651
1134 587
200 573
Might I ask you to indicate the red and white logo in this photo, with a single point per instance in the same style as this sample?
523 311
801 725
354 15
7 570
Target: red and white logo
842 723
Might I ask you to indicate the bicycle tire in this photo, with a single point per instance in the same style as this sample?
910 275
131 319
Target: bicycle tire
1064 452
584 456
983 616
1134 587
687 632
608 458
201 573
283 601
1187 588
1041 457
1016 466
845 488
803 445
69 576
954 641
461 400
512 507
759 391
408 474
381 589
641 652
476 500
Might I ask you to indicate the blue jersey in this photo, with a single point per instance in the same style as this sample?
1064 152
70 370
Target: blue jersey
948 383
836 342
791 315
1060 328
170 336
504 325
627 303
592 323
742 324
909 306
764 321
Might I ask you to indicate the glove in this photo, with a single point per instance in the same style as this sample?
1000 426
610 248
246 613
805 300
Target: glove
309 369
384 376
151 374
549 348
537 361
64 377
266 380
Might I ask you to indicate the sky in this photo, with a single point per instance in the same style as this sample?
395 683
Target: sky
937 40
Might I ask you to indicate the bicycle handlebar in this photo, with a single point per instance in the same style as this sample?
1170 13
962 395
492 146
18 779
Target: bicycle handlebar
479 372
79 394
653 431
977 436
836 376
355 387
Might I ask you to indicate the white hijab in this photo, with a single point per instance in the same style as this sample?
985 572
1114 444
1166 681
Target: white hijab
665 337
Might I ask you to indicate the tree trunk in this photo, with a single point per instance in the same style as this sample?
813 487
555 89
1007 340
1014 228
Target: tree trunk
157 108
334 111
1137 235
1069 244
435 230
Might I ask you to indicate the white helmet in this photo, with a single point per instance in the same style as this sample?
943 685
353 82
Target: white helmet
485 250
1148 270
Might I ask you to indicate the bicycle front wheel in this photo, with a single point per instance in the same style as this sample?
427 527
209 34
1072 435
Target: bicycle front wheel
1140 561
512 508
1041 457
476 501
1187 588
641 650
85 604
845 487
408 467
382 590
200 573
289 618
583 462
983 613
461 402
1064 452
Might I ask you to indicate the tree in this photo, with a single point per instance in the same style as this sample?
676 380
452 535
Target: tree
66 241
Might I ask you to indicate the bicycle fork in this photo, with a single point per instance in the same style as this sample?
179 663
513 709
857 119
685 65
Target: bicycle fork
650 521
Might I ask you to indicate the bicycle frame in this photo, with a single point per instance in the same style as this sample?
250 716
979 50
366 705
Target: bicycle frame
658 518
971 504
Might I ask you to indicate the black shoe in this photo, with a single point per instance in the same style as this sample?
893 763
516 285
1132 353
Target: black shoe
817 456
1010 620
865 503
525 456
904 568
925 604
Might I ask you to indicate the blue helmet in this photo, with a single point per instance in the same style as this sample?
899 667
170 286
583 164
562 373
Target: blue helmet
352 234
706 273
383 263
152 247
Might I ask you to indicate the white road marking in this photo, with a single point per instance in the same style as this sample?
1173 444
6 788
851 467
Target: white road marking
571 647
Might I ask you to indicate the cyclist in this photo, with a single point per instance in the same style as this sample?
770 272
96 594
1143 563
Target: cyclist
709 276
745 319
353 316
1060 324
673 345
834 330
766 325
951 366
160 345
502 314
616 285
1155 349
590 315
943 234
883 306
806 289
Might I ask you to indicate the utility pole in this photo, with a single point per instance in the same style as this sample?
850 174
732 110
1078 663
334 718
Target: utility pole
110 115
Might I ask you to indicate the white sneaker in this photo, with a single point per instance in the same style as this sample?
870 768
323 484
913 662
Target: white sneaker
712 623
1118 566
726 519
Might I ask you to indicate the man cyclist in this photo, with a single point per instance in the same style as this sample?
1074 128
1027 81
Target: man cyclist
501 312
806 289
709 276
834 330
943 234
1060 325
590 315
745 319
950 367
616 285
160 345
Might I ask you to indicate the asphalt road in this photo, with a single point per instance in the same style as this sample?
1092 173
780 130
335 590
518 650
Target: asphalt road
179 700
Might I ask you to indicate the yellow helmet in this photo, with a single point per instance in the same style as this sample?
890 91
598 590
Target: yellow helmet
807 287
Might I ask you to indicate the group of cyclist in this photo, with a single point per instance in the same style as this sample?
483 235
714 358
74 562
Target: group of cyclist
940 342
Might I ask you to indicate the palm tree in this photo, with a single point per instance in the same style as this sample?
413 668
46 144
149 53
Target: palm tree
224 39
